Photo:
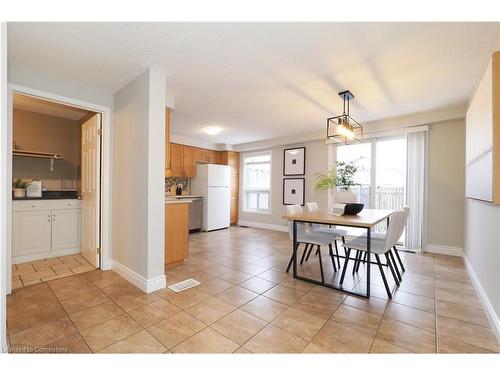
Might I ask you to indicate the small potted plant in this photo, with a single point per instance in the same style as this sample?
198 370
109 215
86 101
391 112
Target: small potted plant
341 178
20 188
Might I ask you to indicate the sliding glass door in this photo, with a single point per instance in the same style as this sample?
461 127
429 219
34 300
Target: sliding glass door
381 172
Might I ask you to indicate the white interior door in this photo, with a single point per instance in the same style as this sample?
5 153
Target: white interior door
90 187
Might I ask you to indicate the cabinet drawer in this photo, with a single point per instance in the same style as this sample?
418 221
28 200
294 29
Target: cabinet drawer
43 205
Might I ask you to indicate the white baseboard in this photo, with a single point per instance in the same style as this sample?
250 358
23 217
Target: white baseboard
256 224
444 250
487 306
146 285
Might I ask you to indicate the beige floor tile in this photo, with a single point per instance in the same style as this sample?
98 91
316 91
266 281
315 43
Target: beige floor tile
464 297
264 308
234 277
257 285
450 346
363 321
414 317
297 284
242 350
236 296
69 344
415 301
17 284
372 305
44 333
188 298
239 326
102 279
383 347
140 342
134 300
335 337
284 295
82 268
468 333
299 323
154 312
24 319
96 315
37 275
407 337
206 341
210 310
175 329
214 286
471 314
275 340
274 276
104 334
84 301
119 289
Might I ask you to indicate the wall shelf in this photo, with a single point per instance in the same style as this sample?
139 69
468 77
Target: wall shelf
39 155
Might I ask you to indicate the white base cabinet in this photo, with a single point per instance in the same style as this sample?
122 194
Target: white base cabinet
43 229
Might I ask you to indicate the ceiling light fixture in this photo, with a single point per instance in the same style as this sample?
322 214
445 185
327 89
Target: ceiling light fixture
343 128
212 130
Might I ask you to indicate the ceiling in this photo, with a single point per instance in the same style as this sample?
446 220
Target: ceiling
261 81
45 107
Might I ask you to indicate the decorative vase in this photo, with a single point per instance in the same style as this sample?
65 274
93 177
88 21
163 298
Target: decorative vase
345 196
19 192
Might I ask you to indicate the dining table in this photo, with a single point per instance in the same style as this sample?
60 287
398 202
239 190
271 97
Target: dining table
367 219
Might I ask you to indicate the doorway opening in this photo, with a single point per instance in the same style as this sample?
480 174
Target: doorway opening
56 200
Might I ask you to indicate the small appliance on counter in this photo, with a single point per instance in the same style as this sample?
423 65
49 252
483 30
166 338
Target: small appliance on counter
340 209
34 189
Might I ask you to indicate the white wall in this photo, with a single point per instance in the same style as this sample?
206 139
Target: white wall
5 185
138 182
482 242
316 161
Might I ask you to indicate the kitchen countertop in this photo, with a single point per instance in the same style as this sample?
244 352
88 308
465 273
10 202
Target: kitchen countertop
182 196
178 201
51 194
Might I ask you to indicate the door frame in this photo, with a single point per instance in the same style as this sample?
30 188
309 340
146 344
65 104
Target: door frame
106 169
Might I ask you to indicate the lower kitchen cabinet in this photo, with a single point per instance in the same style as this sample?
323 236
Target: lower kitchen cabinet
44 229
176 232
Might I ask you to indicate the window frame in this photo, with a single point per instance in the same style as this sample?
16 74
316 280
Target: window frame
245 190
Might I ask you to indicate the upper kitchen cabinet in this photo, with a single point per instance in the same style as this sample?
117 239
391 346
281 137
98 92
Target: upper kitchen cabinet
201 155
189 161
176 160
213 157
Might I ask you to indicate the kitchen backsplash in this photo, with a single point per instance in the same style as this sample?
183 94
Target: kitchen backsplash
172 182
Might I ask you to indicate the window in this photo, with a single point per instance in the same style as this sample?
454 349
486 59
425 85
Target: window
257 183
381 172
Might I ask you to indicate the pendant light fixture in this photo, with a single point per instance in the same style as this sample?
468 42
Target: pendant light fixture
343 128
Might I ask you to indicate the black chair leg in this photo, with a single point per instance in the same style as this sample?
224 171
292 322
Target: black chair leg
389 263
395 265
383 276
348 252
357 258
321 264
399 259
337 252
309 253
304 253
291 259
361 256
332 257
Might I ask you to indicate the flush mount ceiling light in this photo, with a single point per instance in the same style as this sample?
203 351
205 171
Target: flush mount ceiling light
343 128
212 130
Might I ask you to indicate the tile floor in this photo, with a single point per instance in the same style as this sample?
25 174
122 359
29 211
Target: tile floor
30 273
247 304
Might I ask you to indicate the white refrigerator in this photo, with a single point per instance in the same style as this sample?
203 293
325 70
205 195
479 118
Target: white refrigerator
213 182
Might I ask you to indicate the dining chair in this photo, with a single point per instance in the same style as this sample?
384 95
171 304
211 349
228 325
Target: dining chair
310 239
381 236
378 247
339 234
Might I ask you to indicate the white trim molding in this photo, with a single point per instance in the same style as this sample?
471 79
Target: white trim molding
444 250
487 306
256 224
146 285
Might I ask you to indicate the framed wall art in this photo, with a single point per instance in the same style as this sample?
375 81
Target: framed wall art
294 191
294 161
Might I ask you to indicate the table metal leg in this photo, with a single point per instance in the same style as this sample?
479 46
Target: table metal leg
368 248
294 262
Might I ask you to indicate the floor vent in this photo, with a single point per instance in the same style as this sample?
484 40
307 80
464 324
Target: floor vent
183 285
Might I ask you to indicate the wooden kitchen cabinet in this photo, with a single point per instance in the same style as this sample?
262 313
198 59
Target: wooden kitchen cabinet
232 159
201 155
167 141
213 157
176 232
176 160
189 161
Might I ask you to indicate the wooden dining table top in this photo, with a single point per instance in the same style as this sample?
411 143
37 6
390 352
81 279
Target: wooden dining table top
367 218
